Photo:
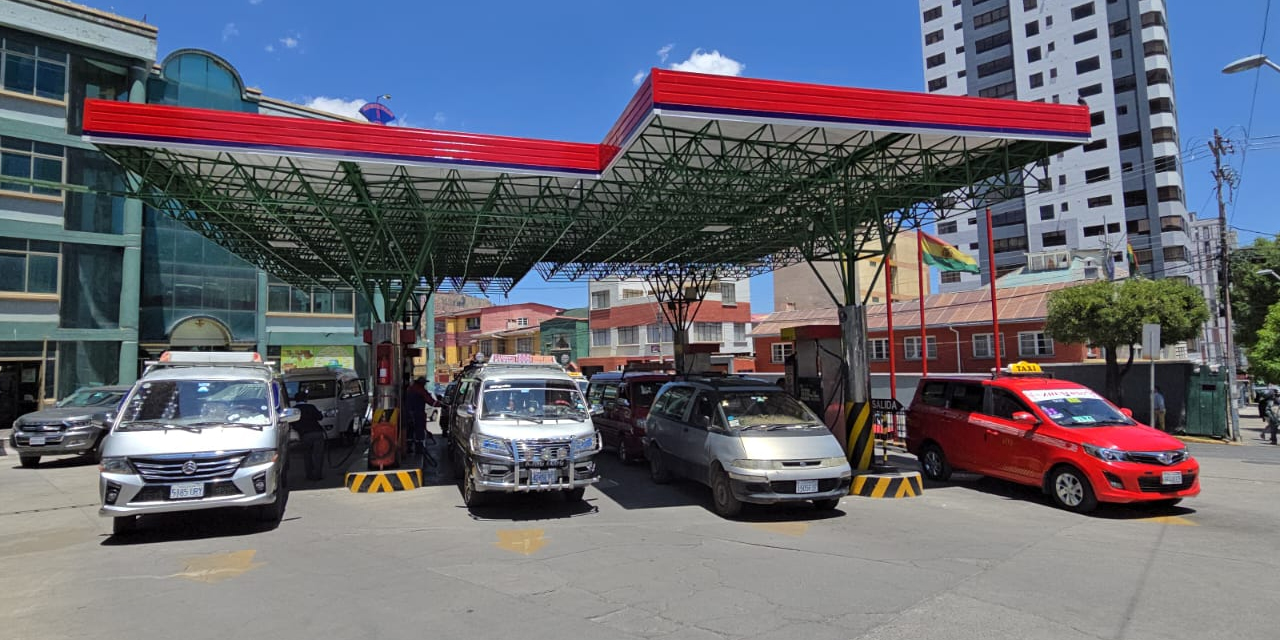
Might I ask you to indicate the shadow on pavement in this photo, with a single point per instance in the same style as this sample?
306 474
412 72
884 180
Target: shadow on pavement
193 525
60 462
530 507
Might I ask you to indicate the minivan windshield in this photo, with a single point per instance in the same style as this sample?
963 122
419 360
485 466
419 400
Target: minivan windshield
760 409
1076 407
197 403
300 390
532 400
91 398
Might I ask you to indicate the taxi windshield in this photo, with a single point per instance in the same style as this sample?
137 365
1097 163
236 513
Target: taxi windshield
1077 408
532 400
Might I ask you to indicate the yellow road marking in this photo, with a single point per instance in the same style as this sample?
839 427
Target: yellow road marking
219 566
522 541
1174 520
793 529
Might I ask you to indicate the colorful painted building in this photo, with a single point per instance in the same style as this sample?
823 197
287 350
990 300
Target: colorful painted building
512 328
567 336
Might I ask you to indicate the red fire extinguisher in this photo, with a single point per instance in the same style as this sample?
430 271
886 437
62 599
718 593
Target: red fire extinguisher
384 364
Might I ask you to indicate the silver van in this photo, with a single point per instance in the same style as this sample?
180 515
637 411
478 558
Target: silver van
748 440
522 428
199 430
338 393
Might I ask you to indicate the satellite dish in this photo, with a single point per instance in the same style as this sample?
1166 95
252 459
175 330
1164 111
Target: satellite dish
377 113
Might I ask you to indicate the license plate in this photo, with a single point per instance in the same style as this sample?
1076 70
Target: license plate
1171 477
542 476
37 441
806 486
186 490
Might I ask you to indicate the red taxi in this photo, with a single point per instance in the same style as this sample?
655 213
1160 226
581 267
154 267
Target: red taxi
1053 434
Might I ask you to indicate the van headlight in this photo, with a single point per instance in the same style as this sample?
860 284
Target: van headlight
260 456
757 464
490 445
585 444
1105 453
115 465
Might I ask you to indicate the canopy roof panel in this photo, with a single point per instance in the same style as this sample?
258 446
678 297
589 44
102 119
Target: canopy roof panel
737 175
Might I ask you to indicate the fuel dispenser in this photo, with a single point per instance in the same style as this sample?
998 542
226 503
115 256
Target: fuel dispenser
815 372
392 351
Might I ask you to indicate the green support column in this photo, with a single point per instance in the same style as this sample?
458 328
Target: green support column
260 319
429 317
131 264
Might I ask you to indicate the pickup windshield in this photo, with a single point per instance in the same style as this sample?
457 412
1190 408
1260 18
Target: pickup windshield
184 403
533 400
91 398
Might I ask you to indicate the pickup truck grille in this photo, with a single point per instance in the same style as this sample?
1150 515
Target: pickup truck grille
542 451
203 466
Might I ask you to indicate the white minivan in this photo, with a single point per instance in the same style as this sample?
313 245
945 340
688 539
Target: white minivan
338 393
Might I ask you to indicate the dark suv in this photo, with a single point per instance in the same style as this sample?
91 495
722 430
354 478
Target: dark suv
622 400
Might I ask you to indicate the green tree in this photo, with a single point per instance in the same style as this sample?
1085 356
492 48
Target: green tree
1264 358
1111 314
1253 294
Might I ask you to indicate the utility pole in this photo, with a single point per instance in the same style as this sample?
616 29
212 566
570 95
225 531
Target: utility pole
1225 177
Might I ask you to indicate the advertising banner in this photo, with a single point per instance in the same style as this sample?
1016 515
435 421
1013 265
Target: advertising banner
298 357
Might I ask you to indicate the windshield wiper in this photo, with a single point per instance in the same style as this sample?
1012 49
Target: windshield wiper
226 423
162 425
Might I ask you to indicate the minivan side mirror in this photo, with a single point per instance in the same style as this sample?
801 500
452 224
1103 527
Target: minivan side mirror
466 411
1128 413
1025 417
290 415
702 421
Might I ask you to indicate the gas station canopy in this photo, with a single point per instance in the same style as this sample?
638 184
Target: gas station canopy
725 174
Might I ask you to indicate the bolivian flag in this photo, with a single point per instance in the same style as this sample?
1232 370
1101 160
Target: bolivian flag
945 257
1131 257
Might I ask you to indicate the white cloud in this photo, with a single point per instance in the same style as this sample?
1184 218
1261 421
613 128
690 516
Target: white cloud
665 51
710 62
271 48
229 31
338 106
439 119
291 42
255 1
639 77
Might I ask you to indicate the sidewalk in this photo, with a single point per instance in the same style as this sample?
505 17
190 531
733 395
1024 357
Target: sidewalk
1251 427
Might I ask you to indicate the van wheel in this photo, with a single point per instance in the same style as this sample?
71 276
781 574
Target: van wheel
933 462
274 512
575 495
348 438
470 496
624 454
29 462
827 505
1071 490
726 504
124 525
658 471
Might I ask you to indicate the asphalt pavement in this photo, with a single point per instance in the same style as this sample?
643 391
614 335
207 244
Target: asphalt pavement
973 559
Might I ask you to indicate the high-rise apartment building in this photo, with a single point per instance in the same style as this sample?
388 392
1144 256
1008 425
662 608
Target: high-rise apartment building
1125 185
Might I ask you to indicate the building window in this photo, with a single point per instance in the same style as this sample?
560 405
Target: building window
30 160
708 332
780 351
1054 239
522 322
991 42
29 266
1034 343
1085 36
1099 201
1130 140
950 277
1016 243
282 298
1155 48
1046 212
1175 254
1160 105
728 294
933 14
1094 231
1101 174
34 70
1028 5
878 349
1033 28
1100 143
1036 80
1125 83
1091 90
1117 54
947 227
1033 54
982 346
1044 185
938 83
1139 227
1062 206
1163 134
1171 193
1152 19
1087 65
995 66
473 323
739 332
628 335
1097 117
660 333
991 17
599 299
524 345
935 60
632 293
1172 223
1002 90
486 347
933 36
1119 28
911 347
600 337
1080 12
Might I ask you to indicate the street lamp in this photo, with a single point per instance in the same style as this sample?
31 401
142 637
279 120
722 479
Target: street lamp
1251 62
1268 272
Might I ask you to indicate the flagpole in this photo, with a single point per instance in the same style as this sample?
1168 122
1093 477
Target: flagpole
893 361
995 316
924 341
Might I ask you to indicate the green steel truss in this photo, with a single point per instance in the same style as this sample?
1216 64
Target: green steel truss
732 199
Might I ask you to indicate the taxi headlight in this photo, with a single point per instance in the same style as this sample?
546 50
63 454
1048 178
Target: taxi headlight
491 446
260 456
584 444
115 465
1105 453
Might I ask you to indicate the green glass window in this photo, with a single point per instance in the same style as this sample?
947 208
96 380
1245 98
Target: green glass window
29 266
35 70
19 73
300 302
322 301
278 299
21 158
13 271
342 301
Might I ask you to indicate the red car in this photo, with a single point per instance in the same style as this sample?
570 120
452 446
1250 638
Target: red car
1053 434
623 398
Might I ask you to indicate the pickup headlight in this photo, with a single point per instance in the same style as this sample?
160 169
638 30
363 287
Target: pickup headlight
491 446
1105 453
78 423
260 456
115 465
585 444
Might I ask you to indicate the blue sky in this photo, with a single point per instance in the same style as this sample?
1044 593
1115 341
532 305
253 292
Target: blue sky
564 70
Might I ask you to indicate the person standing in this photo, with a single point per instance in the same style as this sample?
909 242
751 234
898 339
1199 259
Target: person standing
312 434
1157 407
1273 420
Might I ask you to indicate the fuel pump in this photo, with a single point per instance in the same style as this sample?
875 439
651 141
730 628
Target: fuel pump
386 435
815 372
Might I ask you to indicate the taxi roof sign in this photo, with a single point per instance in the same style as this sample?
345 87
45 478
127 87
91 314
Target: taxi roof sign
1022 368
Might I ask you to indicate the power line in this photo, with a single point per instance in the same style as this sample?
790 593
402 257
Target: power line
1253 104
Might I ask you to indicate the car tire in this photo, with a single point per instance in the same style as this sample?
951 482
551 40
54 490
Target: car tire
470 496
29 462
934 464
828 504
273 513
1070 490
658 471
1166 503
124 525
349 436
624 455
726 504
457 462
574 496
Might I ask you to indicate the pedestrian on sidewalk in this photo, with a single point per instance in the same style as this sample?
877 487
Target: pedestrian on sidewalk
1157 406
1273 420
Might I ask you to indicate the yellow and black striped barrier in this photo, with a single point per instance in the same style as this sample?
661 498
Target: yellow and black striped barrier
384 481
860 437
907 484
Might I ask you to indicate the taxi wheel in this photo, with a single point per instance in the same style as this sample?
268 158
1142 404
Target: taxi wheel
727 504
124 525
658 471
1071 490
934 463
